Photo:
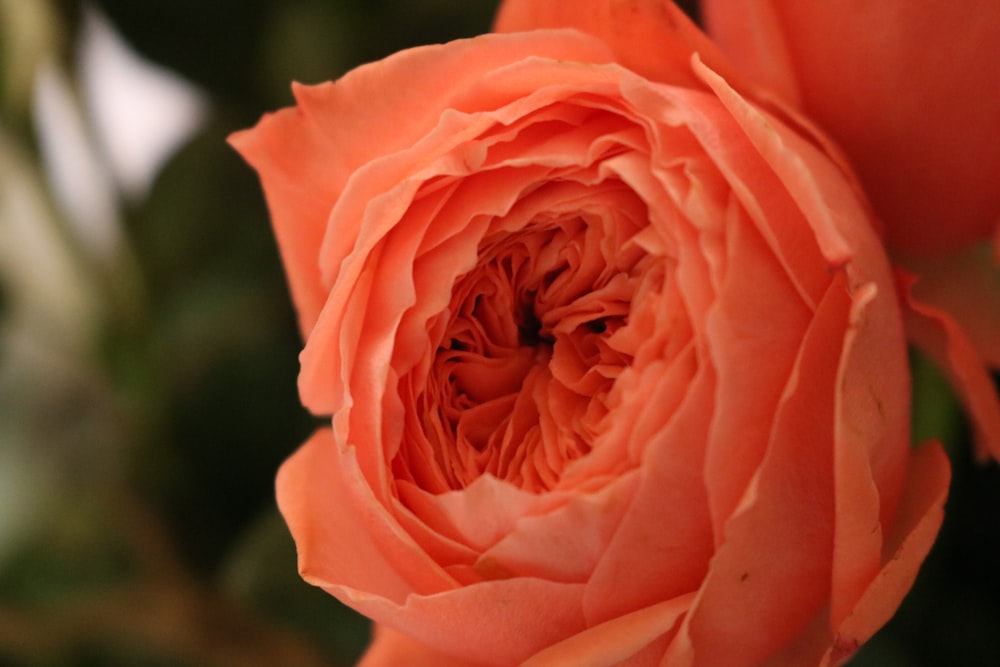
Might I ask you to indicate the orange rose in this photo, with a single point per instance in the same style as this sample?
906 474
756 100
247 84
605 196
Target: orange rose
613 357
910 91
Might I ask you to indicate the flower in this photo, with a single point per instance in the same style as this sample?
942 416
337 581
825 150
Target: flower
612 354
905 88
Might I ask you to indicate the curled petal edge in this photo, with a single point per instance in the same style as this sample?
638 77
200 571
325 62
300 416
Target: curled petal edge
917 524
941 337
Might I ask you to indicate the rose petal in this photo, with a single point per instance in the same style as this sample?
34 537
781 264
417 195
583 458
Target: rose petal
650 37
921 511
906 88
758 315
772 573
940 336
838 220
966 285
494 622
459 515
566 543
752 33
300 183
341 533
776 185
615 641
871 443
389 648
669 514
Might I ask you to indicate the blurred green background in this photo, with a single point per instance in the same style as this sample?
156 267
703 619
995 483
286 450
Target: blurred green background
148 357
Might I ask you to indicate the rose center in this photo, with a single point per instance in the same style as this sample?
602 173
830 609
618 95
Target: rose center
517 386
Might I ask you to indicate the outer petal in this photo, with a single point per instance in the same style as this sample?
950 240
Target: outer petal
872 443
653 38
753 35
937 333
772 574
617 640
907 543
340 537
909 89
502 622
920 514
390 649
967 285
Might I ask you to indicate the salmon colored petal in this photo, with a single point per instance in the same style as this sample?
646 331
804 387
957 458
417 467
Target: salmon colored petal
653 38
939 335
753 35
772 574
907 89
393 649
871 443
921 511
616 641
565 544
907 543
459 516
966 285
668 516
340 537
839 221
501 622
758 315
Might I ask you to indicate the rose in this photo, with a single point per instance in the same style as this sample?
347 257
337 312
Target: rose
906 88
612 353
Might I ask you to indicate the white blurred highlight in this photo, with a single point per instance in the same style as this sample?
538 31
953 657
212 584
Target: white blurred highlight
141 113
77 176
136 115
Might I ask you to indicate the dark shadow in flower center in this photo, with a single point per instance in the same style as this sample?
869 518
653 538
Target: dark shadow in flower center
529 325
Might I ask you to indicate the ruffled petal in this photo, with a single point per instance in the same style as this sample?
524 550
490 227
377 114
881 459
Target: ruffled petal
357 120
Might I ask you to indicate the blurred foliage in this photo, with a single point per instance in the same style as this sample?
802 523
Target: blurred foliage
146 405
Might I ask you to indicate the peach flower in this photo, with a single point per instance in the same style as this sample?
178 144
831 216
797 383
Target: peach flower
910 91
612 353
